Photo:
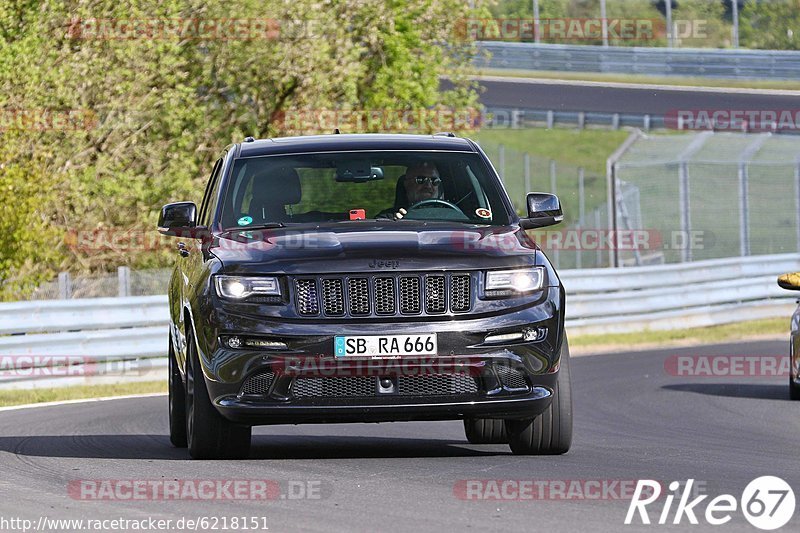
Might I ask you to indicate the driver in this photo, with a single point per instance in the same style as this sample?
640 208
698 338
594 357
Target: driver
421 182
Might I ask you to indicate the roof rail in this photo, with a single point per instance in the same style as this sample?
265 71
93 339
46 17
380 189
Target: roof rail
444 134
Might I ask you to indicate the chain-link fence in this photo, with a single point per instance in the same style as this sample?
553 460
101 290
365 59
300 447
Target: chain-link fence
711 195
583 200
124 282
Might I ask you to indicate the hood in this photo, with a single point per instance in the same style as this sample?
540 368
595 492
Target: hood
367 246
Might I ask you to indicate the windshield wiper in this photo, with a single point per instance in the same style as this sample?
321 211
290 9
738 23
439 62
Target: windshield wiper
267 225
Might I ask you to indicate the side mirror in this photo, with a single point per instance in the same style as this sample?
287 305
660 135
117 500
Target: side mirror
178 219
790 281
543 210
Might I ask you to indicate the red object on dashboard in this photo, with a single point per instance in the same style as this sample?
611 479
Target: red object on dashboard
357 214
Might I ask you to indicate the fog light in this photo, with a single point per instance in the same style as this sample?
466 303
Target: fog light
533 334
234 342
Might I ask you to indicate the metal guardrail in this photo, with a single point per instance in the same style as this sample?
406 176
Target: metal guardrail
695 62
124 339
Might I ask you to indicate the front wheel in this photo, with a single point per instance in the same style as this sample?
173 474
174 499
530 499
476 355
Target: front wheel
177 402
485 431
550 433
209 434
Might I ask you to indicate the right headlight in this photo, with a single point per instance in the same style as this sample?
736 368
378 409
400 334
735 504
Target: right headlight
514 282
240 287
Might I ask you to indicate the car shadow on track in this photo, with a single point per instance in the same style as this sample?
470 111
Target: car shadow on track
263 447
735 390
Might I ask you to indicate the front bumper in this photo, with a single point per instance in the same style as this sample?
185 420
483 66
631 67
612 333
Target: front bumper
461 342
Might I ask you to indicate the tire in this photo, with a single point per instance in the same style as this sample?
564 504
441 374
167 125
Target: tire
177 402
209 434
550 433
794 390
485 431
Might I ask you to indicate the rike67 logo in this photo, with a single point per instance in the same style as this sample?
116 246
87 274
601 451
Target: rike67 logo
767 502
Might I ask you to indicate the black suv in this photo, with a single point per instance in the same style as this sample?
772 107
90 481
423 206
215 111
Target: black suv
364 278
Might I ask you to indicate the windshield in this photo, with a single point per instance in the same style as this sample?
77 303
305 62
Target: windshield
343 186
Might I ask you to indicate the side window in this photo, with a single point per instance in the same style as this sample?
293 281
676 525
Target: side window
210 198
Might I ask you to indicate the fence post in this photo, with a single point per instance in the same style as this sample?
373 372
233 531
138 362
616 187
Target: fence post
744 211
64 286
124 278
527 163
553 190
683 202
501 155
581 216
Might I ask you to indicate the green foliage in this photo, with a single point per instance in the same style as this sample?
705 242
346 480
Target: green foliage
771 25
159 110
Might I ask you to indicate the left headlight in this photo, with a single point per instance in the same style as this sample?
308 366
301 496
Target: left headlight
511 282
239 287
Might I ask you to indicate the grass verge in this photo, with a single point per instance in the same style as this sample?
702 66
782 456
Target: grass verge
56 394
643 79
727 333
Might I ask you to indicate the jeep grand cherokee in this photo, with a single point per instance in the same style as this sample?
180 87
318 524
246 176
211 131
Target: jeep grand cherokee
363 278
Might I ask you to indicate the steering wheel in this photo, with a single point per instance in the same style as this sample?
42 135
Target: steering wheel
441 203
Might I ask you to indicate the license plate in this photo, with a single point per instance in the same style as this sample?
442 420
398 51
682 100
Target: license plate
384 345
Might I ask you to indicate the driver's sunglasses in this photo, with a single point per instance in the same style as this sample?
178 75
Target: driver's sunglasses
434 181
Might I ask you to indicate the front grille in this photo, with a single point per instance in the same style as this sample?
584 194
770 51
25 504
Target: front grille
366 386
511 377
436 385
359 296
307 301
383 295
435 298
333 296
258 384
334 387
409 295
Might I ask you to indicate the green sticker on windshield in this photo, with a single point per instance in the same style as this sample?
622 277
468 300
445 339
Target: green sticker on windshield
245 221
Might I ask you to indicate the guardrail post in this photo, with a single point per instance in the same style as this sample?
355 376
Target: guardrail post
581 120
550 119
581 215
124 278
615 121
527 163
64 286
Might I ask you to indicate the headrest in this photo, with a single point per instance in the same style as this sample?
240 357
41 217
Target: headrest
277 186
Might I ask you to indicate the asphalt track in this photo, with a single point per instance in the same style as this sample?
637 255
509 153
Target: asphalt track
619 98
633 420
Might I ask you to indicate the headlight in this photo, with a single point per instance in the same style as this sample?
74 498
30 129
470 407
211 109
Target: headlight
238 288
511 282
